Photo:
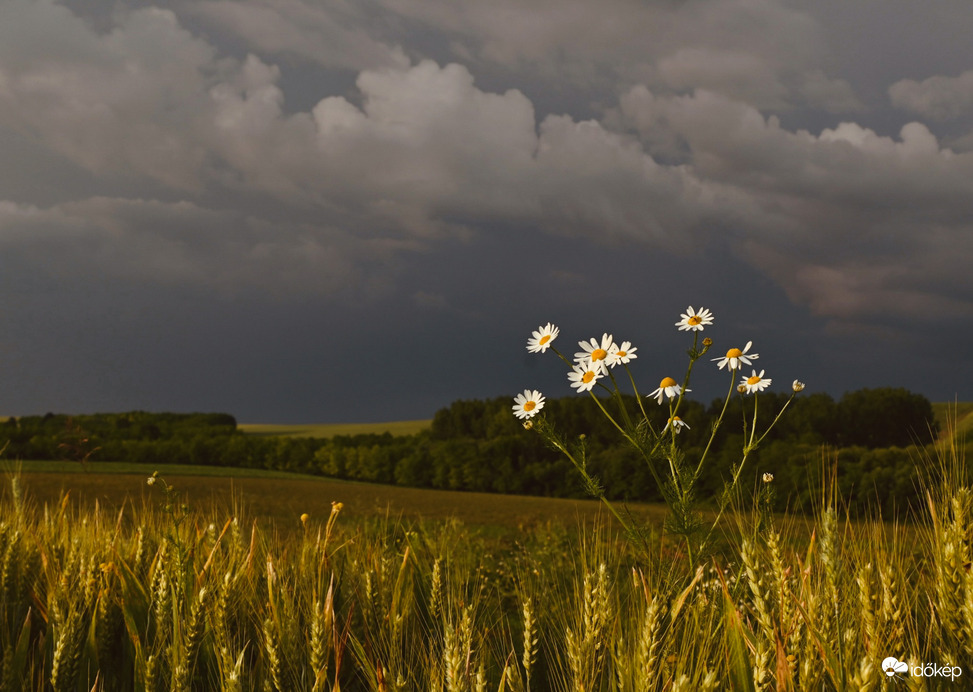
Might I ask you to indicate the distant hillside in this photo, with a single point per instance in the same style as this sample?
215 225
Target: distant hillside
329 430
955 416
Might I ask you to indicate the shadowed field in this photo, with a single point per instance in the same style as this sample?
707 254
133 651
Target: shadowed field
284 497
319 430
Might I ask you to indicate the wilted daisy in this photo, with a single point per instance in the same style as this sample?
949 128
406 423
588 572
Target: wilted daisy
676 423
596 353
622 354
693 321
541 338
668 387
734 357
527 405
797 386
755 383
584 376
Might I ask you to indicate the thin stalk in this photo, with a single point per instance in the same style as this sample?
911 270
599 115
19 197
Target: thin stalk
621 403
719 421
777 418
638 397
601 495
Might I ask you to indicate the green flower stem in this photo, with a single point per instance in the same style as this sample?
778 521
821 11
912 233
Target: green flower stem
613 421
694 355
719 421
621 403
753 426
590 482
774 422
638 397
561 356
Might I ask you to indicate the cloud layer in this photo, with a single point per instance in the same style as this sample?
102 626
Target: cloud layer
314 152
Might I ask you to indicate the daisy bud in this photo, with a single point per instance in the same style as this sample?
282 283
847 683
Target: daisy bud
528 425
742 388
797 386
707 342
305 517
768 477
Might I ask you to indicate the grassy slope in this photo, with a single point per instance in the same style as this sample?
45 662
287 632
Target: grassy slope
401 427
955 416
283 497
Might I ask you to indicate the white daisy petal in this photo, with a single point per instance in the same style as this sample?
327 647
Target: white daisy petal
693 321
584 377
735 356
541 338
755 383
527 404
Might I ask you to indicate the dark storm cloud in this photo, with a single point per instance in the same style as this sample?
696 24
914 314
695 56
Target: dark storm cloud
215 156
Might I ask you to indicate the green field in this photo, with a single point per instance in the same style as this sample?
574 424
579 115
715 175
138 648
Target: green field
955 415
282 497
324 430
110 583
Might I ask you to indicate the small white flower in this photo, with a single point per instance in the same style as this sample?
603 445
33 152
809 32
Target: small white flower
734 357
693 321
755 383
668 387
676 423
541 338
622 354
527 405
150 480
768 477
584 376
797 386
596 353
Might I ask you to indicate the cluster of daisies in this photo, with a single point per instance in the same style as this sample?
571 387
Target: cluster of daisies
597 357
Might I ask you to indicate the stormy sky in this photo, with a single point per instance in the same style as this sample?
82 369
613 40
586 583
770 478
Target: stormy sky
358 210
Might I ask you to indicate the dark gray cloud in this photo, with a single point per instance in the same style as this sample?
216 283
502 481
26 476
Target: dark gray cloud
223 204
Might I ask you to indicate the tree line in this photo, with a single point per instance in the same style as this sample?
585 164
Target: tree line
477 445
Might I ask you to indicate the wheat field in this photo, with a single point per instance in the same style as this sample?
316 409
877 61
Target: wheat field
171 594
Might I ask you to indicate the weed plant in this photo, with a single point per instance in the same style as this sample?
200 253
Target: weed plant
593 368
167 597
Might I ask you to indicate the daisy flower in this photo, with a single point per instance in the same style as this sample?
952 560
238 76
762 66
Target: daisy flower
797 386
677 424
596 353
693 321
668 387
768 477
734 357
622 354
755 383
541 338
527 405
584 376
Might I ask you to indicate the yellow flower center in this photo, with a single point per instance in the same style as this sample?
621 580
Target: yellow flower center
668 382
544 339
530 405
694 320
588 376
598 354
621 354
734 353
753 380
675 419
